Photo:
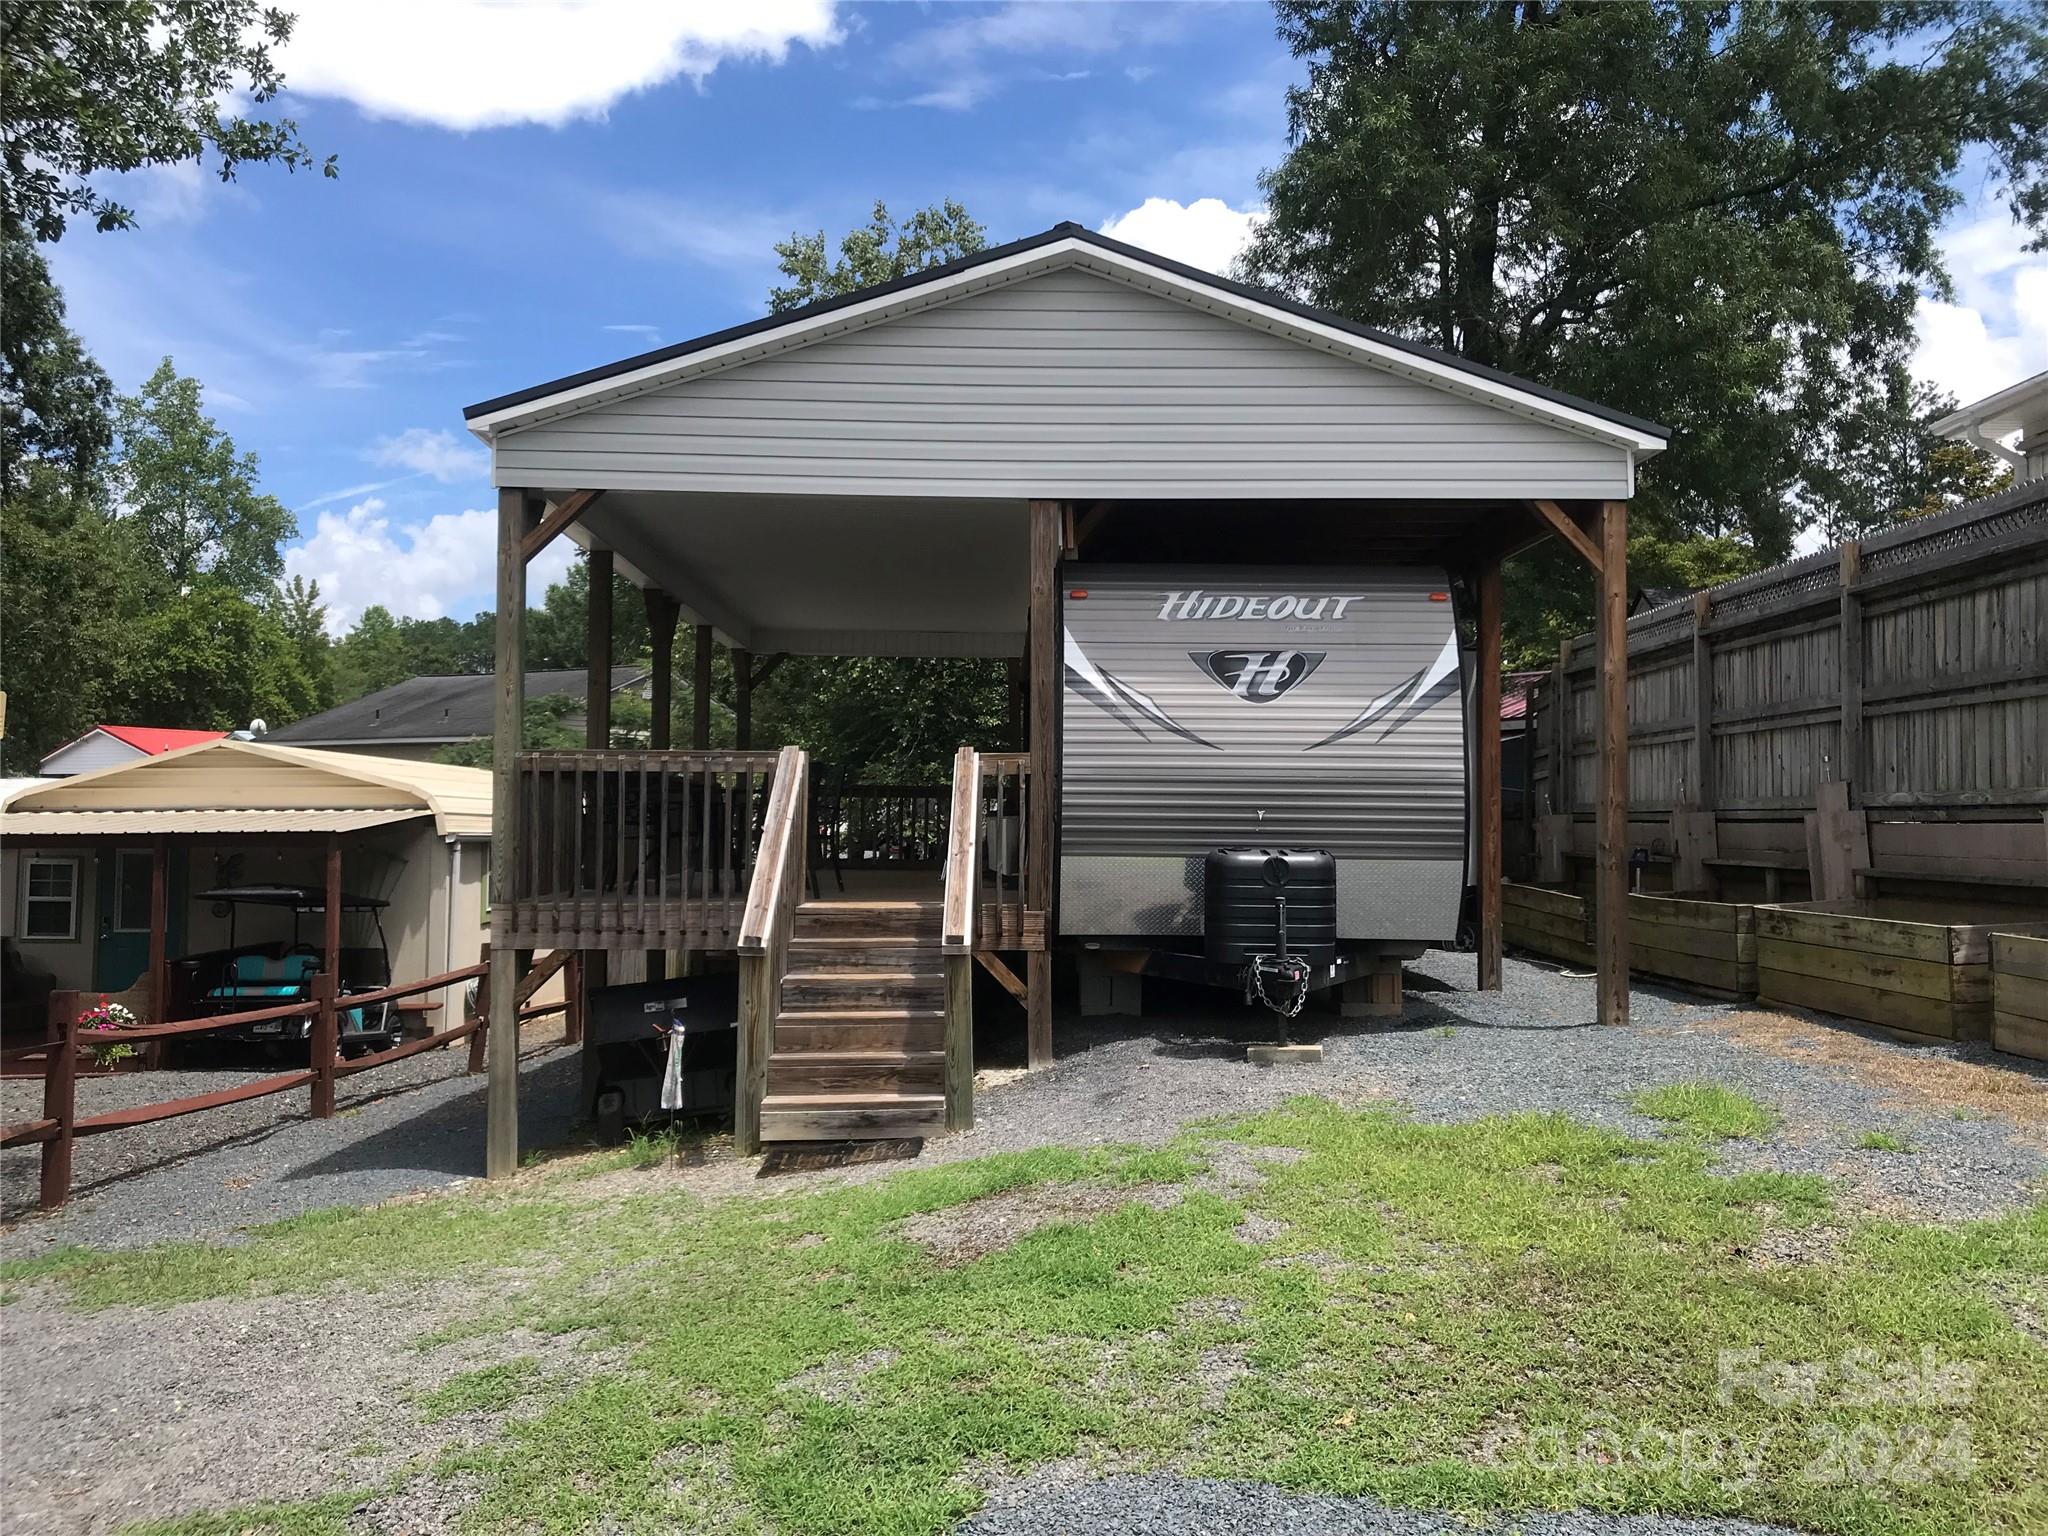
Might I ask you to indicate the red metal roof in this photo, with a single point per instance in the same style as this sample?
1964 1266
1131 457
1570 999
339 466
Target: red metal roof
1514 695
154 739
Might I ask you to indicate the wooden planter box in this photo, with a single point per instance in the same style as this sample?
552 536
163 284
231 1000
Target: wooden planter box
1920 967
1699 943
1555 924
2019 994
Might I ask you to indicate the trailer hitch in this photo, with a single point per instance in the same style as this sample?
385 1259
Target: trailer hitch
1289 971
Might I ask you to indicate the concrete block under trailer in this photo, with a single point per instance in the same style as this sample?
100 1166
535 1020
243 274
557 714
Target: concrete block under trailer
1227 707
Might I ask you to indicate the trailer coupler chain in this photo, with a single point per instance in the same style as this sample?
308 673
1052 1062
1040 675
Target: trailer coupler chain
1292 970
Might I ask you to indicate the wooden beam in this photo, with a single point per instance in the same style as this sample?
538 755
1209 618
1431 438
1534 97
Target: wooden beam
742 699
516 521
1562 524
700 702
325 1025
1849 650
159 930
993 964
1069 545
764 666
541 533
1610 629
597 653
1489 787
661 637
1047 518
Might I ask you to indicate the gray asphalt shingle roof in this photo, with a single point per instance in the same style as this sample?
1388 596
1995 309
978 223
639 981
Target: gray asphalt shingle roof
429 709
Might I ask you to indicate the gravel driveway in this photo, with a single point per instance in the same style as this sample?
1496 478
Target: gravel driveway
297 1404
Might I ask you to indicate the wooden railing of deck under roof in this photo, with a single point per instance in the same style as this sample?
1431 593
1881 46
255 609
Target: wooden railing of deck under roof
624 850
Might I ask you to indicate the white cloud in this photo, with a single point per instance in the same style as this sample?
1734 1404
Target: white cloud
430 451
1207 233
467 64
647 335
1995 333
960 64
427 570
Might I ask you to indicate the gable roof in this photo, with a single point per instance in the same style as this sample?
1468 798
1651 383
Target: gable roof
1061 246
430 709
244 786
146 739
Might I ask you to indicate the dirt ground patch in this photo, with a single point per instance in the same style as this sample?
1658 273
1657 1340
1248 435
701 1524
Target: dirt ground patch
1932 1079
963 1233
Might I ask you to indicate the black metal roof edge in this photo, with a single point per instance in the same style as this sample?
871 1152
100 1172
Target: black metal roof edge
1058 232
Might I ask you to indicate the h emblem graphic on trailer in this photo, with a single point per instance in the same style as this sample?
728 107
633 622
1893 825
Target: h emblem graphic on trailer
1259 677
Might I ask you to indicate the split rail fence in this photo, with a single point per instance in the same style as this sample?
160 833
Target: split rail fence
60 1125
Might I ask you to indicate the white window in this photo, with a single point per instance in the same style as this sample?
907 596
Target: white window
49 898
132 874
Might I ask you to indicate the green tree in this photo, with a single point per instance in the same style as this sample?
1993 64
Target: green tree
210 658
370 656
880 251
190 506
1718 216
88 86
303 617
558 632
55 401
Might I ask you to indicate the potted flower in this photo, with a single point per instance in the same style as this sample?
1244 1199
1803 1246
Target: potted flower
105 1018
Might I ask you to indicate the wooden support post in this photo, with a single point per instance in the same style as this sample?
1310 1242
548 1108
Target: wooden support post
1488 707
327 986
742 699
60 1096
1849 647
482 1032
159 930
1044 665
661 641
597 653
572 999
960 1042
501 1099
700 688
1610 629
593 974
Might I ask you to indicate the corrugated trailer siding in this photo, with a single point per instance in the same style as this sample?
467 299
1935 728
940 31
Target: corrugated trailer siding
1061 385
1140 804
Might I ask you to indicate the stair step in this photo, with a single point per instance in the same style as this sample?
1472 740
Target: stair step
882 1073
902 921
856 1029
865 954
851 1116
803 991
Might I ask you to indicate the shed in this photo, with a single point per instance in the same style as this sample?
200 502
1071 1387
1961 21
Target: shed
909 470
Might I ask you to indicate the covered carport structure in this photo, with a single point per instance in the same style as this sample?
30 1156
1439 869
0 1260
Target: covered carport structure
903 472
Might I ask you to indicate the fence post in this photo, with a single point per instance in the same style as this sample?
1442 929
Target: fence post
483 1013
60 1097
324 1038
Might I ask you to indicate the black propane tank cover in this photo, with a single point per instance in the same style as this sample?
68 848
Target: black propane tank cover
1241 892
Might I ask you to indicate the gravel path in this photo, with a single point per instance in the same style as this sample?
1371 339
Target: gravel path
414 1125
1164 1505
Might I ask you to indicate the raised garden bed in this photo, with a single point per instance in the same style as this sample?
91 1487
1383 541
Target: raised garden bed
1555 924
2019 994
1922 967
1699 943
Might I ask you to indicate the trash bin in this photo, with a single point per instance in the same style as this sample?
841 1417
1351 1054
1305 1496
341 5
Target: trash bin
627 1028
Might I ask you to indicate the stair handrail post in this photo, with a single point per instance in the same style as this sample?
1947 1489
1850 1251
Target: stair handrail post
60 1097
963 852
764 937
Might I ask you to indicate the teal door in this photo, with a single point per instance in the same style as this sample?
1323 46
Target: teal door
123 906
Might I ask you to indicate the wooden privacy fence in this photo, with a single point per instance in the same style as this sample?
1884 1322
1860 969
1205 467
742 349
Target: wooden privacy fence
60 1124
1902 678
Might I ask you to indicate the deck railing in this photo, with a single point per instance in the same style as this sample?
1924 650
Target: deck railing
881 826
633 850
763 937
1003 799
957 936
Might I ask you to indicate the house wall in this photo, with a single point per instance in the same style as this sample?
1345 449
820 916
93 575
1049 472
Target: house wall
70 961
95 750
1062 385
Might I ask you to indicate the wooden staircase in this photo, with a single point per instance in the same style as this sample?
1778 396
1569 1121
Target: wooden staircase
859 1046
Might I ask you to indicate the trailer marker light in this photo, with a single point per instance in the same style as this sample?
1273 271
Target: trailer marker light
1078 593
1439 597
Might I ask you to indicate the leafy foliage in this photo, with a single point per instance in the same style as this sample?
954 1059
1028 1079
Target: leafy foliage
56 403
1719 217
88 86
189 504
880 251
208 658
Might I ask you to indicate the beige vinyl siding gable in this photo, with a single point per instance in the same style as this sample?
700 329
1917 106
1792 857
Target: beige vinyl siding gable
1065 384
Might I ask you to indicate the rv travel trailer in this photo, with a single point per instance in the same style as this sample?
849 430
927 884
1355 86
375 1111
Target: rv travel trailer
1249 748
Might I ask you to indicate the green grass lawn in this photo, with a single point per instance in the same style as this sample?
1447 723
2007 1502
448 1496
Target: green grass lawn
1516 1313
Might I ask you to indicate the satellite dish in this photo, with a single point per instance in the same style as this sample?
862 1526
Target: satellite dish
258 727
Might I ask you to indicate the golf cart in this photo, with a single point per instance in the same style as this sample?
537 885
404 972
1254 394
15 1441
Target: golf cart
247 976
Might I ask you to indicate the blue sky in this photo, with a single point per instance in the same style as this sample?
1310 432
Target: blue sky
529 190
